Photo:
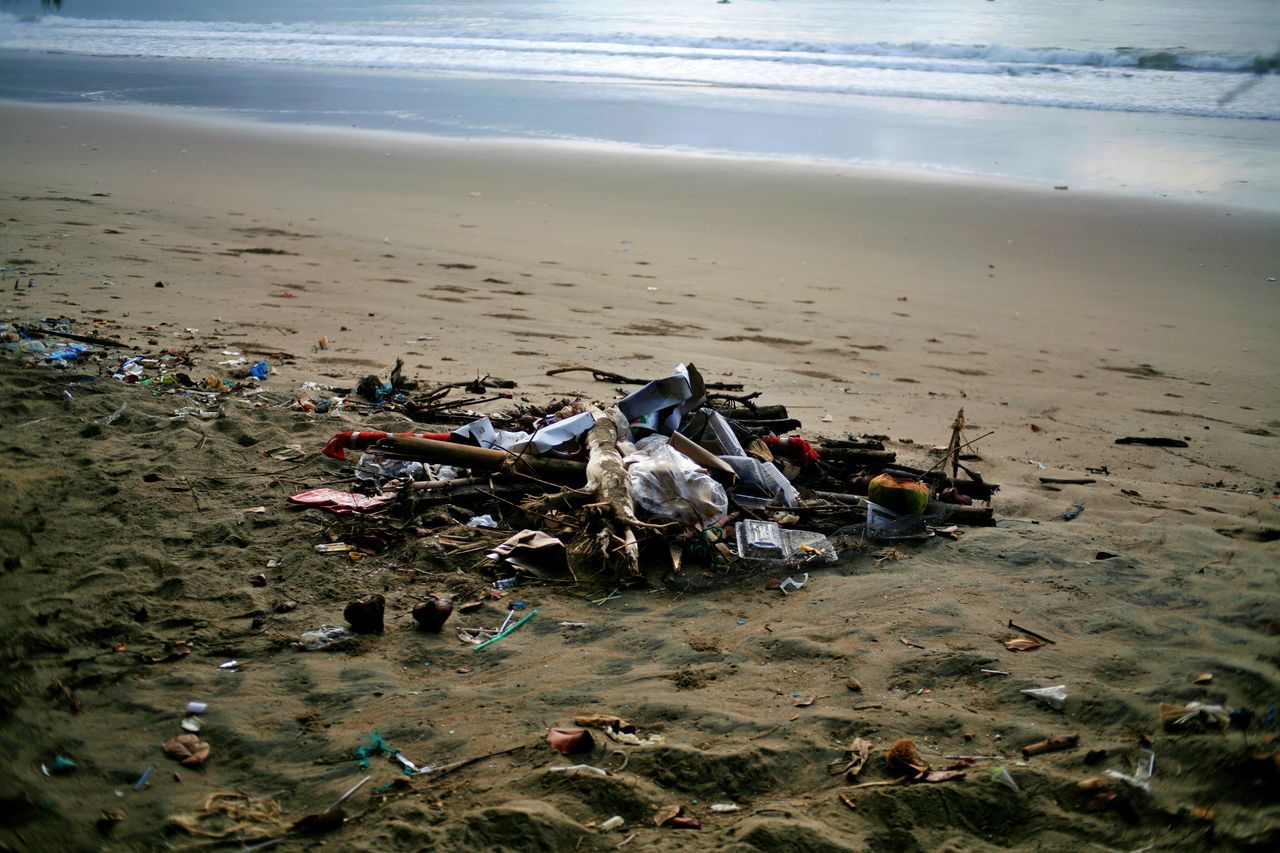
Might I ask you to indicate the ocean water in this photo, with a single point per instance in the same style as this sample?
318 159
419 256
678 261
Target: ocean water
1136 95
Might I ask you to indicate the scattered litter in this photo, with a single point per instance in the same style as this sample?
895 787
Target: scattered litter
325 637
1054 696
188 750
573 768
1194 716
1141 777
1069 514
1001 776
570 741
507 631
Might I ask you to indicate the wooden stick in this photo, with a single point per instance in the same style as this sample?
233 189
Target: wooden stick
1152 442
1068 481
607 476
480 458
1031 633
1053 744
606 376
84 339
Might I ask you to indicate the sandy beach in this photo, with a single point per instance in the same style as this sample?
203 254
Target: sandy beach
866 302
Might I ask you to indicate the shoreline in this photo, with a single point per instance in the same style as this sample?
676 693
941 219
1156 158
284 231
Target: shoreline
1133 154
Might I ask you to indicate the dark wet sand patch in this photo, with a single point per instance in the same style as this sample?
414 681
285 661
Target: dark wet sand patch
270 232
1141 371
963 371
555 336
354 362
815 374
1175 414
457 266
452 288
660 327
764 339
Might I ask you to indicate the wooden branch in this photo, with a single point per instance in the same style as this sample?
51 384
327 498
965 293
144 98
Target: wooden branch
972 516
482 459
607 477
756 413
84 339
618 378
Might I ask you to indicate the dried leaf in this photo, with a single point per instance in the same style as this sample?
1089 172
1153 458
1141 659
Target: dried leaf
666 813
604 721
1203 678
1022 644
169 658
859 754
803 701
187 749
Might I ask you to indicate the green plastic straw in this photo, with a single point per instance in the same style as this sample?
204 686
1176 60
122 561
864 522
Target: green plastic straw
498 637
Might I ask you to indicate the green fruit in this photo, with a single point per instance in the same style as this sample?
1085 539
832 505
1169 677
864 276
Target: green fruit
898 494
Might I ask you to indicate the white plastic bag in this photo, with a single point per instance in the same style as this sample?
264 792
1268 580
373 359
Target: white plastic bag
668 484
1054 696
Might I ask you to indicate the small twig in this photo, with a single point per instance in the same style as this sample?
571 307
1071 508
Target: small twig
356 787
1031 633
458 765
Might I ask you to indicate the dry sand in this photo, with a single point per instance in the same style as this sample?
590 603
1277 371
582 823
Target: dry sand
864 302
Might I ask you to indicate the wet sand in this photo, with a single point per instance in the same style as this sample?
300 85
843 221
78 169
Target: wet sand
864 302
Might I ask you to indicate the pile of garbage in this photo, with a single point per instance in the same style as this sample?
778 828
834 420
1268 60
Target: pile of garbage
677 474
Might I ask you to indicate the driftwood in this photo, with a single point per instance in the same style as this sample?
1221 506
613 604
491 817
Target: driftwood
777 427
1068 481
607 477
970 516
851 444
483 459
1052 744
618 378
1152 442
857 456
84 339
755 413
